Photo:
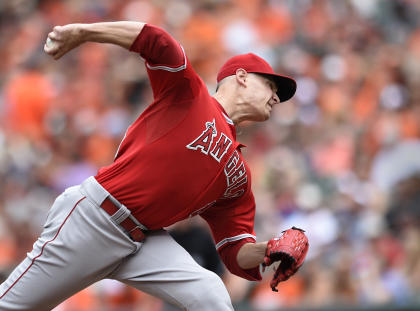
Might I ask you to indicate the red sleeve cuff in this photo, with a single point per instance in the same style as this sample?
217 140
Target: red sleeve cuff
229 252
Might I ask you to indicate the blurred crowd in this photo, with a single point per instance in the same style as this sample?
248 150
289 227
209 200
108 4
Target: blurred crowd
341 159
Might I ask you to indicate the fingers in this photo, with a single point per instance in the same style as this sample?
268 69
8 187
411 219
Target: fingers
53 44
51 47
55 53
56 33
53 36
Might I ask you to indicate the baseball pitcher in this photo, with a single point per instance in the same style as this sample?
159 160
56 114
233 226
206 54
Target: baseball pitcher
180 158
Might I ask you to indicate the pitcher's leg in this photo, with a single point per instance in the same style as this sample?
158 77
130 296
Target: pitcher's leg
71 253
164 269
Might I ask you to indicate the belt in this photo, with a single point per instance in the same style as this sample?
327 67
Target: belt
132 226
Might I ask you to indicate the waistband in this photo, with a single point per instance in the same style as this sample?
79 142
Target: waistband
94 191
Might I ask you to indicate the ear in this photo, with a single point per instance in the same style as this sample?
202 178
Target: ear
241 75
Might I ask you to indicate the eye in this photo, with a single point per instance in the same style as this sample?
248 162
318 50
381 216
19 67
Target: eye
272 85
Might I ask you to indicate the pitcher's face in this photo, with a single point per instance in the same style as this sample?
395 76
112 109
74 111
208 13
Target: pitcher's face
261 95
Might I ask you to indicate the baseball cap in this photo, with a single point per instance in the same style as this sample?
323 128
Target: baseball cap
286 87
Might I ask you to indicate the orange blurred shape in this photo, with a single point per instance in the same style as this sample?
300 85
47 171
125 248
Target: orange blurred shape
335 156
275 25
202 29
132 299
289 294
82 301
55 12
333 100
100 149
27 100
93 59
365 103
316 21
123 297
7 253
202 41
409 125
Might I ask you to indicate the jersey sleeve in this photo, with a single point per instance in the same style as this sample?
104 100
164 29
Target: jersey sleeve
164 57
232 225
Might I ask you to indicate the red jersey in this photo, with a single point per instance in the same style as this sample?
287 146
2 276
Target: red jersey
180 158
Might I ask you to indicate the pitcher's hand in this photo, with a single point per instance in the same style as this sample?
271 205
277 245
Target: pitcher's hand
63 39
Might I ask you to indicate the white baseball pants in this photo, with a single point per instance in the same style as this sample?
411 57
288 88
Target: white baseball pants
80 245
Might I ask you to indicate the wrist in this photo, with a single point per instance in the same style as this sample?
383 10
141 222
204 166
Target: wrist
251 255
84 32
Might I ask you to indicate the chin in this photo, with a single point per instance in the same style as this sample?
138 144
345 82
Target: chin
267 115
261 115
263 118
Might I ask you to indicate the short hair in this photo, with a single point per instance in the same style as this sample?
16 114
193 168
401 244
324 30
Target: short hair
222 82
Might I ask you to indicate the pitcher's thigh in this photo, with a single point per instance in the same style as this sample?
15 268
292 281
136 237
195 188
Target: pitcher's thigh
68 256
164 269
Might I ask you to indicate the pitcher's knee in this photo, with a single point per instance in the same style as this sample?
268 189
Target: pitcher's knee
209 294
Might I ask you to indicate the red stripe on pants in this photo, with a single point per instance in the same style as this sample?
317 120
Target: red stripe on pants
42 249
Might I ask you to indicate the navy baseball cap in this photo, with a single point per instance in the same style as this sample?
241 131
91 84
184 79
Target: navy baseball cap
286 86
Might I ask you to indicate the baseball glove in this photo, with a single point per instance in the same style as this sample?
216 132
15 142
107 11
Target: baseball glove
290 249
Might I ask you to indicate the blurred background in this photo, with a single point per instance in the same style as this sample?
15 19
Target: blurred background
341 159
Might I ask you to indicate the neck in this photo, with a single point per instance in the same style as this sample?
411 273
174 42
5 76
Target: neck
231 106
